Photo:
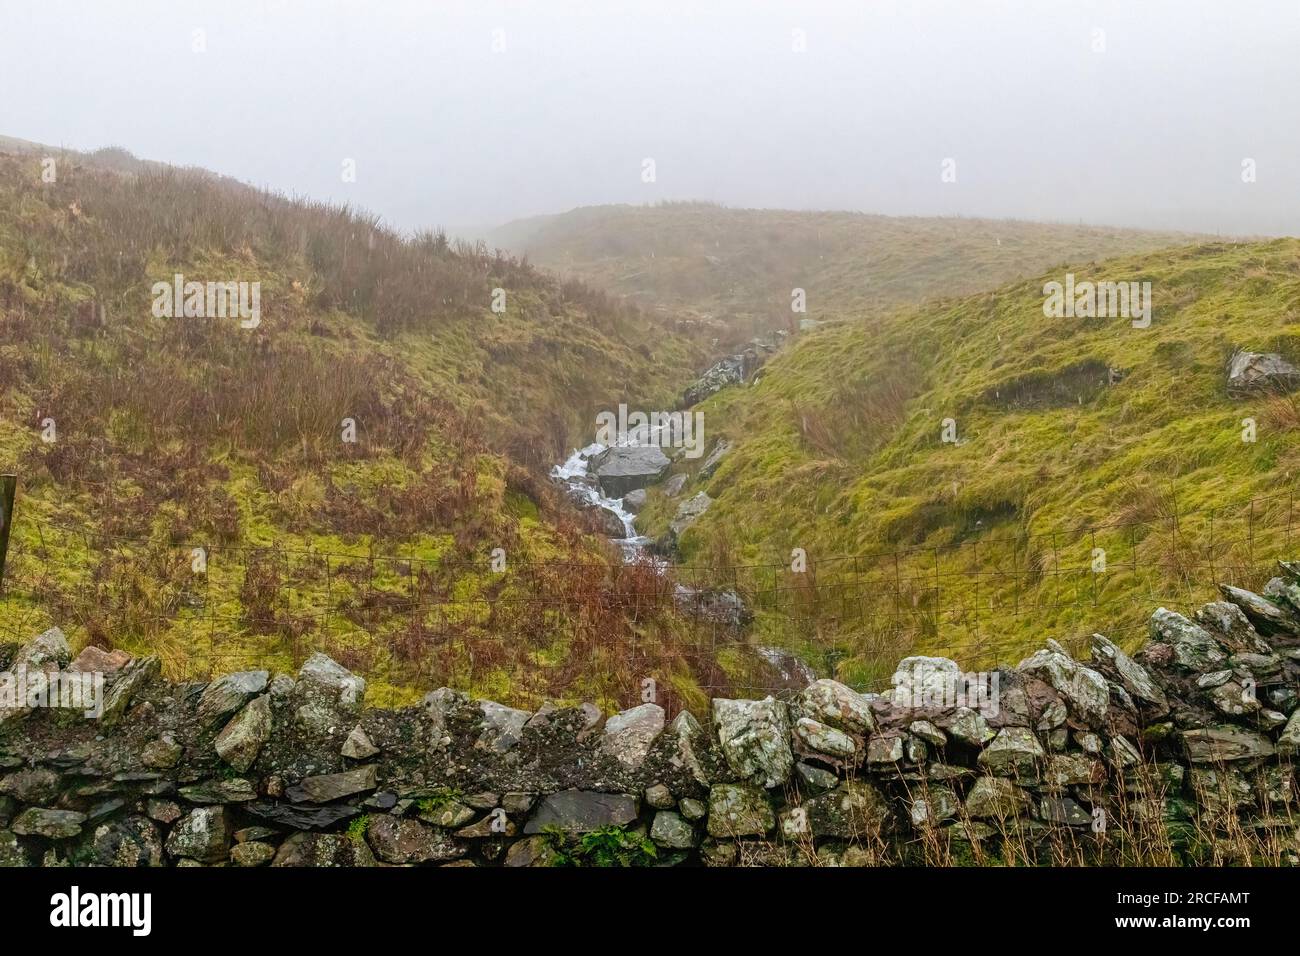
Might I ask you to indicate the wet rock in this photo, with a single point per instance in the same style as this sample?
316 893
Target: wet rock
580 811
204 835
323 849
132 842
926 682
1085 691
329 787
933 806
621 469
45 651
659 797
995 798
228 694
51 824
838 706
1266 616
242 739
885 749
1014 752
502 726
968 727
39 785
1289 743
739 809
1193 646
855 809
818 738
126 684
1230 626
1223 744
326 697
532 851
1063 811
1066 770
303 818
1261 372
96 660
1132 676
235 790
398 840
755 739
252 853
358 746
162 754
671 831
629 735
688 511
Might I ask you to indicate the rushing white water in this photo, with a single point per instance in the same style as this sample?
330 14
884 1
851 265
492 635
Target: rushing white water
576 473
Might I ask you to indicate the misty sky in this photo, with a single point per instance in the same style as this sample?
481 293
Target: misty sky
446 131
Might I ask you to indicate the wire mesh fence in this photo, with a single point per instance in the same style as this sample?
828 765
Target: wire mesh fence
600 629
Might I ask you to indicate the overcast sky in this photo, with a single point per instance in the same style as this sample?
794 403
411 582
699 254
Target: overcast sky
1133 113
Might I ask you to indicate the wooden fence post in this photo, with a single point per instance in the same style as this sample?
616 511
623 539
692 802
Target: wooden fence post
8 486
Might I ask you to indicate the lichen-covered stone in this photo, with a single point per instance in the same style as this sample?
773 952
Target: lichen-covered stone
755 739
739 809
1014 752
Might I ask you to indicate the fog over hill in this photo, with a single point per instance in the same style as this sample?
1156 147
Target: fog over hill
468 114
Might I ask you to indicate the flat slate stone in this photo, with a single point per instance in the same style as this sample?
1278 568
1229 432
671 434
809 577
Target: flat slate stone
581 811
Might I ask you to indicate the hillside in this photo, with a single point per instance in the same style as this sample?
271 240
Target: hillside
734 269
138 439
1071 434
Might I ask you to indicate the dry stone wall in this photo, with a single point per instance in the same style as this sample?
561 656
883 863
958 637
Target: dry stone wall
1180 753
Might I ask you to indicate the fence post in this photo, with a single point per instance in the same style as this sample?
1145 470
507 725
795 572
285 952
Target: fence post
8 487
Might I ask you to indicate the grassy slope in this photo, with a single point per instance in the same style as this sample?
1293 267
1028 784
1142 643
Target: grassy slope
738 266
838 451
178 432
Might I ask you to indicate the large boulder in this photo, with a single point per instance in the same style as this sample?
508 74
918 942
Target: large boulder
1194 648
48 650
832 703
755 739
630 734
625 468
1085 691
1268 616
1261 372
327 697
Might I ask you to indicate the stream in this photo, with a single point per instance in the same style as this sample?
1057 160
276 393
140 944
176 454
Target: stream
583 487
